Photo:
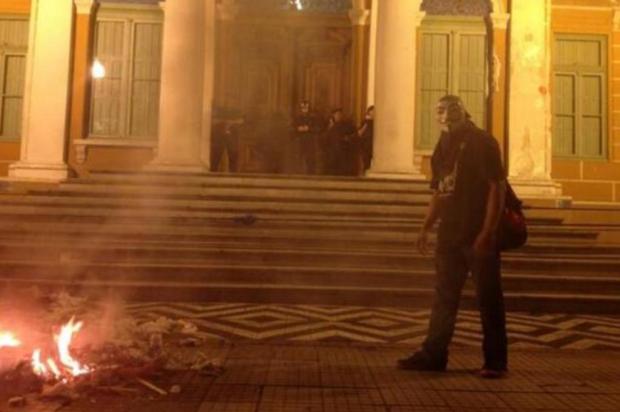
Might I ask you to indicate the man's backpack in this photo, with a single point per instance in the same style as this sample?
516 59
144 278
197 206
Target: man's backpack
512 228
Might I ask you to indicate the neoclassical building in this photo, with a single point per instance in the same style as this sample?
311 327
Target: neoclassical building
93 85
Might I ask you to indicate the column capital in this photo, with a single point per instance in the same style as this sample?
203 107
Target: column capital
85 6
419 16
499 20
227 10
359 17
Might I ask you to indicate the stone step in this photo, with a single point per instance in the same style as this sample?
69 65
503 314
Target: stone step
412 297
321 259
219 237
413 209
254 181
162 206
245 217
238 193
274 275
341 235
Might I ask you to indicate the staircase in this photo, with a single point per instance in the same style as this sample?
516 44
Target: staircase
280 239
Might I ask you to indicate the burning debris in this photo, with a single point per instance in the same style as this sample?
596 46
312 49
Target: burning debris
123 357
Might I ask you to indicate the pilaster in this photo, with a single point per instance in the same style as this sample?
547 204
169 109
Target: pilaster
530 146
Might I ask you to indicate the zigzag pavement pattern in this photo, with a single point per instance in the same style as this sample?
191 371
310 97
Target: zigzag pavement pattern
315 323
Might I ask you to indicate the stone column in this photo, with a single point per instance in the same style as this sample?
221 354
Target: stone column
359 17
183 107
529 128
397 27
46 94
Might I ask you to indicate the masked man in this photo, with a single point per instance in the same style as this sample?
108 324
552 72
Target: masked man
468 186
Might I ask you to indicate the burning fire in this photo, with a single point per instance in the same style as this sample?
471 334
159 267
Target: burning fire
8 340
62 365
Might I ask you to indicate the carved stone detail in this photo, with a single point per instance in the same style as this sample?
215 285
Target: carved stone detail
85 6
457 7
499 20
359 17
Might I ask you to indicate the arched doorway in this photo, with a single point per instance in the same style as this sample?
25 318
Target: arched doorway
272 54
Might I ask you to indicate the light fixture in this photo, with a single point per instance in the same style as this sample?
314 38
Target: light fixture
298 4
98 70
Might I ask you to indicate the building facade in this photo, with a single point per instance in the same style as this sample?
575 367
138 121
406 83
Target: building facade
112 85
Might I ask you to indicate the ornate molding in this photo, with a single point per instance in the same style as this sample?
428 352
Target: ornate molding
499 20
359 17
459 7
85 6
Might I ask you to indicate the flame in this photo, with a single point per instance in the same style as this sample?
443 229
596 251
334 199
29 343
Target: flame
64 341
69 367
54 368
8 339
37 367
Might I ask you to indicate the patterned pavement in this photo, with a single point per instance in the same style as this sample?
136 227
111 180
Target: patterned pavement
322 377
312 323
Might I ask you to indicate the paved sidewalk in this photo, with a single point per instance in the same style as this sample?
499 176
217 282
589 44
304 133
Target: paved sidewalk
358 378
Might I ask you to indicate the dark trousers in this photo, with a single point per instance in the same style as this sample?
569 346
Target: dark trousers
452 267
307 148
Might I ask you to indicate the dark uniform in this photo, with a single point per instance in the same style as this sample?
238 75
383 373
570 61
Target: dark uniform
306 140
341 153
366 140
225 137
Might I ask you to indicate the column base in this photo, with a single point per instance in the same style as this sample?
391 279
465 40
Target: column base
38 171
412 172
540 190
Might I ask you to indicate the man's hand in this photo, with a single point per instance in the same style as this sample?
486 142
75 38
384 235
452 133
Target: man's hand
422 242
484 243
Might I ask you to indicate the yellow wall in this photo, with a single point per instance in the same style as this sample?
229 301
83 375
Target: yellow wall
15 6
593 180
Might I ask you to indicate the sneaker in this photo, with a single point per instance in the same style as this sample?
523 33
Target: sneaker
421 361
490 373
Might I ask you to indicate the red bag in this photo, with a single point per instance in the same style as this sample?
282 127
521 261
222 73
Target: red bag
512 228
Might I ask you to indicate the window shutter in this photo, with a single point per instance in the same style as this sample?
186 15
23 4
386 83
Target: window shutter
592 127
145 80
434 82
580 109
472 77
13 49
564 114
107 92
12 95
